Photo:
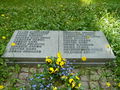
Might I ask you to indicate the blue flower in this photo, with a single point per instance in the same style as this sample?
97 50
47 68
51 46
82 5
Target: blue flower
34 86
63 68
48 85
74 60
43 78
68 62
41 75
31 79
38 77
67 65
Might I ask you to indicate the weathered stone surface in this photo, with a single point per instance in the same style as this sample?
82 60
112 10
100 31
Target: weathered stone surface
84 78
23 76
85 85
103 79
33 70
39 70
14 75
94 85
25 69
94 77
93 72
76 70
103 85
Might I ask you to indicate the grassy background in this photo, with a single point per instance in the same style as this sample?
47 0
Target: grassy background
78 15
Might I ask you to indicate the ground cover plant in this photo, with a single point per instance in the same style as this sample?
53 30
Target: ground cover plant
65 15
57 74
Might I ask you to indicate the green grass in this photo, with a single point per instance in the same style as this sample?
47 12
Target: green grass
78 15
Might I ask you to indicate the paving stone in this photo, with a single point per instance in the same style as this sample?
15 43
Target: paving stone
100 71
94 77
33 70
85 85
20 84
94 85
109 71
84 78
7 84
103 79
84 71
14 75
23 76
76 70
93 72
25 69
103 84
39 70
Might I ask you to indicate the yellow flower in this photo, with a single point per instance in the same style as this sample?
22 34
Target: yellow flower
108 46
64 77
57 69
2 15
13 44
71 80
54 88
73 84
84 58
108 84
58 61
63 59
77 77
59 55
62 63
3 37
48 60
118 84
72 74
51 70
47 56
79 84
1 86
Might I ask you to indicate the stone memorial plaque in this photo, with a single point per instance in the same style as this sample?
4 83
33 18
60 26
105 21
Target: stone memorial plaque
33 46
91 44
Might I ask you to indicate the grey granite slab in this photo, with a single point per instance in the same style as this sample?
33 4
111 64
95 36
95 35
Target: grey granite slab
92 44
32 44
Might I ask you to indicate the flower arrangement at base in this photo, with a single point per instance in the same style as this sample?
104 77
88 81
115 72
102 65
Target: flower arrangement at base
57 75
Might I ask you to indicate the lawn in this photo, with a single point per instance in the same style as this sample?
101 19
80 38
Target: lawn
79 15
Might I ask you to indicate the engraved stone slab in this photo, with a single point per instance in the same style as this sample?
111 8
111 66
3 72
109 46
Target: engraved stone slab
31 44
92 44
